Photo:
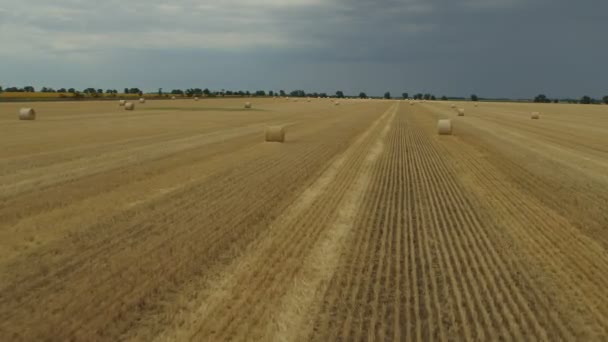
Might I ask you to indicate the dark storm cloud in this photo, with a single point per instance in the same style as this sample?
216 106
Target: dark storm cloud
492 48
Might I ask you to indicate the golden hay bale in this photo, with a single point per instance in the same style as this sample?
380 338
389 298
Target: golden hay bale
248 105
336 103
122 102
129 106
535 115
27 114
453 105
461 112
476 105
172 97
196 99
444 127
275 134
142 100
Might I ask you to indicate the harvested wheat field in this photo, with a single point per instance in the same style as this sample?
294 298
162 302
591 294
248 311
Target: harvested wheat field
177 222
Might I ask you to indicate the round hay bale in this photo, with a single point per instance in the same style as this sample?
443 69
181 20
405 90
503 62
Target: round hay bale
129 106
461 112
172 97
122 102
275 134
142 100
337 103
476 105
27 114
248 105
196 99
535 115
453 105
444 127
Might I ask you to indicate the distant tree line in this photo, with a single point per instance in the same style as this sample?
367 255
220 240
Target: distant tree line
190 92
541 98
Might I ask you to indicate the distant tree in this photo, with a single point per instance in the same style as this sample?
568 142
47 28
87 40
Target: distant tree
605 98
323 95
405 95
260 93
100 91
206 92
444 98
177 92
160 91
339 94
586 100
1 89
29 89
433 98
427 96
271 93
418 96
134 91
247 93
362 95
387 95
542 98
126 91
474 98
282 93
72 91
297 93
556 101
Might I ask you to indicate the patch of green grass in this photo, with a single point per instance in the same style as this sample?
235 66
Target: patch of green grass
203 109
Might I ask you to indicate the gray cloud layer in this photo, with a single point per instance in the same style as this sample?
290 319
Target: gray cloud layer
512 48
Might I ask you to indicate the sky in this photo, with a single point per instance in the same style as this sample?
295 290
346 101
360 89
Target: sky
492 48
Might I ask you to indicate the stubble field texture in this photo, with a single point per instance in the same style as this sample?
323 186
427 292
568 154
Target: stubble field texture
177 222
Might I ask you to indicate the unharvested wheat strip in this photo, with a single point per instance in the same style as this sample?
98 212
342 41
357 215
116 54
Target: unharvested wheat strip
293 318
480 296
446 251
227 283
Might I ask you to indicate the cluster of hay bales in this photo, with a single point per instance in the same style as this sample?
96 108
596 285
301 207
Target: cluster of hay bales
444 127
275 134
27 114
247 105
